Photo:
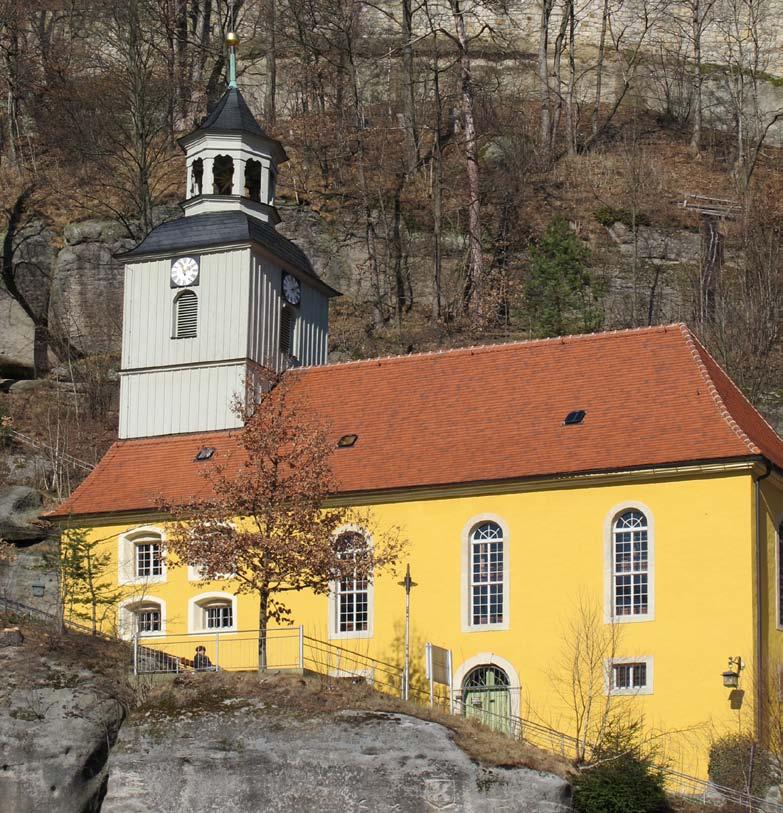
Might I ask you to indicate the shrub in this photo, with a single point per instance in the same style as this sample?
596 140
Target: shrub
625 776
730 764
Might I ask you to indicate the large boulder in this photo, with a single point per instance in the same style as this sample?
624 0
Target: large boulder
20 507
58 722
255 756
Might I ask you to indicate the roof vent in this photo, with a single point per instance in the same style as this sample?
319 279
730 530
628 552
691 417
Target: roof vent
205 453
575 417
346 441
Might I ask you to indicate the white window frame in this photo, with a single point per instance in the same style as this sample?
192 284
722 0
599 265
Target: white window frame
614 514
197 616
126 617
467 570
334 592
631 691
126 555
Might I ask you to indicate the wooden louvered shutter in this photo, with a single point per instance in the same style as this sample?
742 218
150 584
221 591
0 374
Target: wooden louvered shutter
187 315
286 330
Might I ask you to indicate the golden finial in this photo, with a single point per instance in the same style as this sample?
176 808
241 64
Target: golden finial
232 39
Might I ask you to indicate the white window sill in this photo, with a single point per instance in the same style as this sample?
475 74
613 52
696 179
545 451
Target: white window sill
144 580
642 691
501 627
346 636
630 619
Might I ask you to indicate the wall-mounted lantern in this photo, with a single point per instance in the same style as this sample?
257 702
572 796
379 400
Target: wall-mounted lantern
732 675
38 590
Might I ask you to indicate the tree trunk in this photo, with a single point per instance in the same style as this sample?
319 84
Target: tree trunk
270 106
263 617
599 71
545 125
437 191
409 94
474 278
696 26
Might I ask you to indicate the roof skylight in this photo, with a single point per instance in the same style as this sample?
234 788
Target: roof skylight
205 453
346 441
575 417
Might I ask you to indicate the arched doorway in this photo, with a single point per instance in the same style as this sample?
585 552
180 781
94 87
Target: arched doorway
486 697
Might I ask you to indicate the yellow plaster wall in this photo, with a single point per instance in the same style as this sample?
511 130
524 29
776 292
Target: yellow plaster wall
703 566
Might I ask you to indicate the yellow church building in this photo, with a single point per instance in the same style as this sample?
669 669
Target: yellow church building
621 474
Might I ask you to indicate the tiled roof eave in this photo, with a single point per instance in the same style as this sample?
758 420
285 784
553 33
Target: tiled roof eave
678 468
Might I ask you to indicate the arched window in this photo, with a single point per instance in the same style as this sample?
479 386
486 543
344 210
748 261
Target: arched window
287 322
486 579
253 180
141 557
196 178
630 565
146 616
486 696
222 175
351 593
213 612
186 315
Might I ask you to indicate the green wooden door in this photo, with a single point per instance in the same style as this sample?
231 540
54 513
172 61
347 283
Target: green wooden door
486 698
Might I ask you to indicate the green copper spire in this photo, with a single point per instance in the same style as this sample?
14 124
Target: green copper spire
232 40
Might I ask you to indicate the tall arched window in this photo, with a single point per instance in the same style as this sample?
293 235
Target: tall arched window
486 574
351 593
630 565
186 315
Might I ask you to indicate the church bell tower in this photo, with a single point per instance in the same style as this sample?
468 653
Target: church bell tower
215 297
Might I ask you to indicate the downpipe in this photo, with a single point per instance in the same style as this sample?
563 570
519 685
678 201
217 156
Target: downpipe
760 670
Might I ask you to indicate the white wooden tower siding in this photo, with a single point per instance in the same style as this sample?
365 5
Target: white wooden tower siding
214 295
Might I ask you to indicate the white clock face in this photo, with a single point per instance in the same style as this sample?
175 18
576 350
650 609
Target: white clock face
184 271
292 290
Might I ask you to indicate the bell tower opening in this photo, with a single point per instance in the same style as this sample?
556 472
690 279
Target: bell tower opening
223 175
196 178
253 180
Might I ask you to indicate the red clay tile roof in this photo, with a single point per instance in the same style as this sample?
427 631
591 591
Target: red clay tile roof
653 397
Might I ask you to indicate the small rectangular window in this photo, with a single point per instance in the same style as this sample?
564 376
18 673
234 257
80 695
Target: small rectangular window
148 619
148 559
219 616
631 677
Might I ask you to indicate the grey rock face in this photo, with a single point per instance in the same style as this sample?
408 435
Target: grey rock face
56 731
252 758
19 509
657 245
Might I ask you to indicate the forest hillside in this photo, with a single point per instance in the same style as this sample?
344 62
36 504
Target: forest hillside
464 172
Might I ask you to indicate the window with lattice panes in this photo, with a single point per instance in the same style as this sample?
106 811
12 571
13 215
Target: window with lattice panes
631 676
148 559
148 618
218 616
352 605
630 565
486 574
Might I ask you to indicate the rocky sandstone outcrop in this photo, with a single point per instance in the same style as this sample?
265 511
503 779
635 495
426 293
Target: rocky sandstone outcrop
58 722
251 756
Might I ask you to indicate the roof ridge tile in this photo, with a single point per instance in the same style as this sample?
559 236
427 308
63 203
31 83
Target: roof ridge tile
472 349
691 341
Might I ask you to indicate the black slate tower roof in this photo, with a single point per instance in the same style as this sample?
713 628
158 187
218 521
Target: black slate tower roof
214 229
232 113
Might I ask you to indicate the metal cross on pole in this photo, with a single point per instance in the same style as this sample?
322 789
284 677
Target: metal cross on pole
407 583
